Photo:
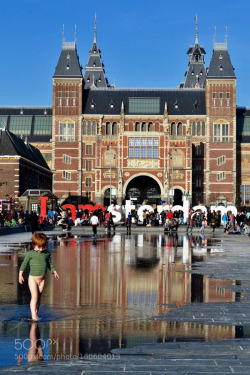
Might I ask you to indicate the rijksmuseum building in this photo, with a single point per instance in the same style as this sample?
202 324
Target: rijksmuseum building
151 145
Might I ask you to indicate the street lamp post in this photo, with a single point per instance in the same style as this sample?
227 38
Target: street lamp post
111 158
110 171
172 177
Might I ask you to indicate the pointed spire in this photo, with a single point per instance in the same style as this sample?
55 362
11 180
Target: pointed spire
214 34
63 35
95 67
226 36
95 30
196 29
196 64
75 35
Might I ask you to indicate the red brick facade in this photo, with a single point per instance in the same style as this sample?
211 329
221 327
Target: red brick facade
95 149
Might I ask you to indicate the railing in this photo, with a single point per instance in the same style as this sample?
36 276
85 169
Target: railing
220 46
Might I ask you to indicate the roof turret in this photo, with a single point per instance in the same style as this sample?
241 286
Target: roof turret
196 73
94 75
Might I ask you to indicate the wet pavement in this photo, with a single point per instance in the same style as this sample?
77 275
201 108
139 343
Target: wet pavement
144 303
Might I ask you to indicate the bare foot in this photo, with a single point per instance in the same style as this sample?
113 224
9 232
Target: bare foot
35 319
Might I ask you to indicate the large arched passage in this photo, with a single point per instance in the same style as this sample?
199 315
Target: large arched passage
144 189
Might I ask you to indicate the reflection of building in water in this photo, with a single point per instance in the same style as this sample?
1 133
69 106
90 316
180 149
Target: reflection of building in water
8 279
125 281
112 287
65 293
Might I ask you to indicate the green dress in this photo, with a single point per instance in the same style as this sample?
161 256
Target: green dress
39 262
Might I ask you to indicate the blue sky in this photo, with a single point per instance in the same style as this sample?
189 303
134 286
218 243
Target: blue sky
143 42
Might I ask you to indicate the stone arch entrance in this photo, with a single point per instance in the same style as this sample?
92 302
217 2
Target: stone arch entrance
143 189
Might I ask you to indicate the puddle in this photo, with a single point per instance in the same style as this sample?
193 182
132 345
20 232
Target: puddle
109 290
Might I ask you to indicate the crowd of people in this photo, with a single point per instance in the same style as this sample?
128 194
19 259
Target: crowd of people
232 224
32 221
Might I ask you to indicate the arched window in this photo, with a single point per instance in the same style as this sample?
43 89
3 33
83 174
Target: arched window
108 128
173 128
143 127
179 128
114 128
137 126
89 128
194 129
203 128
84 128
198 128
150 127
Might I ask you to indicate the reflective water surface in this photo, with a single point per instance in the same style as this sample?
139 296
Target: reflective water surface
109 288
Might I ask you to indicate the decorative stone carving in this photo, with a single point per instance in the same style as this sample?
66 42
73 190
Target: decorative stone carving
245 162
188 131
109 159
99 129
143 163
122 114
177 175
107 175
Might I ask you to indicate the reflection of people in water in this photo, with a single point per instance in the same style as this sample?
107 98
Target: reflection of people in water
19 359
35 352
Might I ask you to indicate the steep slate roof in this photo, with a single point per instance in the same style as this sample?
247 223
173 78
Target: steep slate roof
220 65
12 145
37 156
189 101
68 64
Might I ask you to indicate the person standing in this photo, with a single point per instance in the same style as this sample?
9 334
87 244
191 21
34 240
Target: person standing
39 260
190 223
94 222
128 223
213 222
163 218
34 221
225 221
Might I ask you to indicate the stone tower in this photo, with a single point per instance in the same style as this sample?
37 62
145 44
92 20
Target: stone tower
221 132
67 114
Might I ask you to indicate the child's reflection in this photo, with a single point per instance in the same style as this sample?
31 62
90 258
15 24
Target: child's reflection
35 352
